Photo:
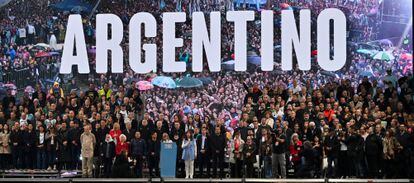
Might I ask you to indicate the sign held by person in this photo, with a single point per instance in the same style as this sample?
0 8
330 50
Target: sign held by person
204 40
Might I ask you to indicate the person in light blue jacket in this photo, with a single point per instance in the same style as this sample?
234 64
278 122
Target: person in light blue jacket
189 153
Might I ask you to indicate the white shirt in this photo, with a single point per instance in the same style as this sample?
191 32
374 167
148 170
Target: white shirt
31 29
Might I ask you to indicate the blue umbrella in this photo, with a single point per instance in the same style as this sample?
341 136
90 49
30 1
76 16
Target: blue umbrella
365 73
255 60
189 82
164 82
365 51
206 80
228 65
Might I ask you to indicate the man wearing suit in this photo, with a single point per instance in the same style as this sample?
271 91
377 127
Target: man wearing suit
203 153
217 145
108 154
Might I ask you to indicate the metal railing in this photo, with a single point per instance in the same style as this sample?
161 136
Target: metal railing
91 180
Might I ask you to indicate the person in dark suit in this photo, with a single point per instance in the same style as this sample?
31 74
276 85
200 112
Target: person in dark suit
121 166
217 145
203 153
249 152
138 152
107 154
154 147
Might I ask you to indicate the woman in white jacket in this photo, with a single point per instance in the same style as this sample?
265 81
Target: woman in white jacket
189 153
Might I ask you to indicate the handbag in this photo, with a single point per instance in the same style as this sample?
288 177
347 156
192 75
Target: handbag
324 163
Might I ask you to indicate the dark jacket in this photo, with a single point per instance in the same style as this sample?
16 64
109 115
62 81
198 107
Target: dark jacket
334 146
107 153
138 147
121 167
29 141
373 145
217 144
206 145
154 147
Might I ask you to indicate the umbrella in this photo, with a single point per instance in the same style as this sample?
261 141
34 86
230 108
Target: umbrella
42 54
29 89
228 65
365 51
144 85
327 73
385 41
383 55
92 50
42 45
164 82
255 60
78 9
54 53
365 73
189 82
284 6
206 80
406 56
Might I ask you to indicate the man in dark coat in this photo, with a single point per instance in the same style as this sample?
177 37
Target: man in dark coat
373 153
138 152
332 148
107 154
217 145
154 147
203 153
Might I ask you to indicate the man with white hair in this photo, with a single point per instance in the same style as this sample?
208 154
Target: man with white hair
88 142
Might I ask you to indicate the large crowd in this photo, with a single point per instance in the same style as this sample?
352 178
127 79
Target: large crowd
280 124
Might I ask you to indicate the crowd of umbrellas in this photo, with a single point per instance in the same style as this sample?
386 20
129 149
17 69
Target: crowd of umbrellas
170 83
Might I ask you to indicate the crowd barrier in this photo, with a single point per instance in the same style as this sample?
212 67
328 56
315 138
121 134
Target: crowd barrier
128 180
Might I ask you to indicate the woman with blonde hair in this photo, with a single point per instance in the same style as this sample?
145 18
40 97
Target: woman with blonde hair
295 148
115 132
237 153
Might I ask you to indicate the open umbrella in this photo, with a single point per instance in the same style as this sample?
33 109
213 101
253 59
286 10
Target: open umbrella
285 6
42 45
189 82
383 55
92 50
144 85
365 52
365 73
42 54
164 82
255 60
406 56
206 80
78 9
228 65
385 41
53 53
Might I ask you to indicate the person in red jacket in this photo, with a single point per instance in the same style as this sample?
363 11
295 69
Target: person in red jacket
115 133
122 145
295 148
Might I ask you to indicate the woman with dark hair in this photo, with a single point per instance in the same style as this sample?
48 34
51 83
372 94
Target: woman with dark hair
391 148
236 154
41 148
51 147
308 159
189 153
